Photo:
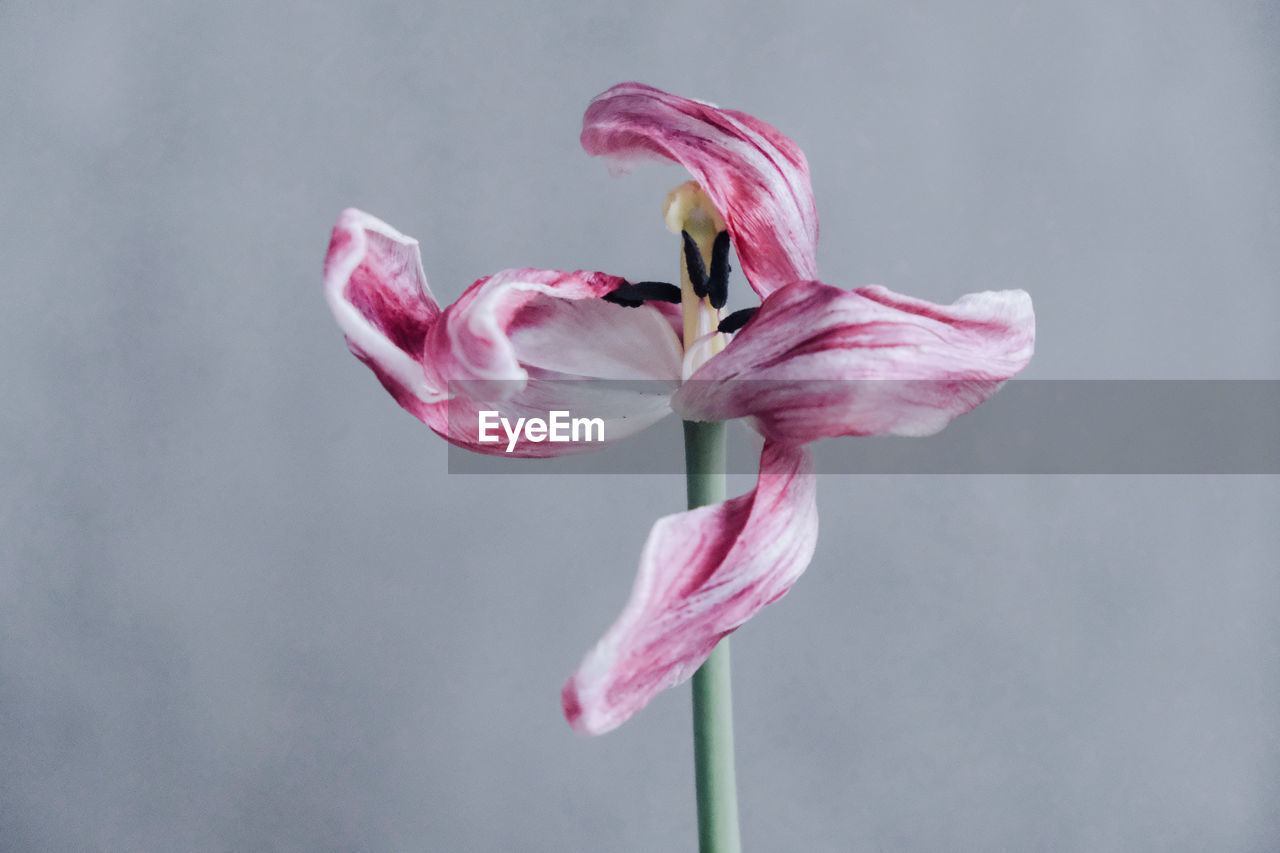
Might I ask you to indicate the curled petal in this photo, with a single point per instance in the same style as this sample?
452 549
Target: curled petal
818 361
518 319
703 573
378 293
520 343
757 178
527 342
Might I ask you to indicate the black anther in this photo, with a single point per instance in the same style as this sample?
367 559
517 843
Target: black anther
693 263
635 295
718 284
619 297
737 320
658 291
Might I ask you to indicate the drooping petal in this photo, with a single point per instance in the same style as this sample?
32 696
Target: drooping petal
527 342
520 342
757 178
378 293
817 361
556 321
703 573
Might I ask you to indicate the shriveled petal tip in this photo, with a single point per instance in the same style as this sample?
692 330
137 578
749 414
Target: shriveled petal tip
703 573
817 361
378 293
757 178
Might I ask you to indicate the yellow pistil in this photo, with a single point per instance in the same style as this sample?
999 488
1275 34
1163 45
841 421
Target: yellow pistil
688 209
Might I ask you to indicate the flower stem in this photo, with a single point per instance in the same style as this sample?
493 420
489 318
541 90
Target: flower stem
712 692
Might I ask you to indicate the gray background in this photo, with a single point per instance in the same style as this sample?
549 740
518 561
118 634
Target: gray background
243 606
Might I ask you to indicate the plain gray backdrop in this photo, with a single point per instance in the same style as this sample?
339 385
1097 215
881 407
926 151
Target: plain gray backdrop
244 607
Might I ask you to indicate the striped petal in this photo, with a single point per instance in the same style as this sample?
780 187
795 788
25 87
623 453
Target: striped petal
378 293
523 320
703 573
521 342
817 361
757 178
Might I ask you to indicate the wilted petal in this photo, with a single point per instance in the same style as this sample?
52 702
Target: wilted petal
546 318
520 342
702 574
818 361
378 293
757 178
526 342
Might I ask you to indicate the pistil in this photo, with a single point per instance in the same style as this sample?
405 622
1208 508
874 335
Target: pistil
691 214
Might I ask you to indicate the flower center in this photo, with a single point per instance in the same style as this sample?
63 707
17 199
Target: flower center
691 214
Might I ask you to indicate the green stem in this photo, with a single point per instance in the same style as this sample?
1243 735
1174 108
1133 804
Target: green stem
712 691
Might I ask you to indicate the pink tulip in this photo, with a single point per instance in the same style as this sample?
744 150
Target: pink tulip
814 361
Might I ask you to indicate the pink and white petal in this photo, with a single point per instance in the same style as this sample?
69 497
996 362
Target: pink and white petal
378 293
521 318
595 338
674 315
703 573
757 178
818 361
527 342
520 342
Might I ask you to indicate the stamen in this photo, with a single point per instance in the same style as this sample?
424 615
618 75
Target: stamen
718 284
658 291
633 295
694 264
690 213
737 320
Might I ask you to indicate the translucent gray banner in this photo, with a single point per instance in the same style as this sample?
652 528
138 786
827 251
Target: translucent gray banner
1028 427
